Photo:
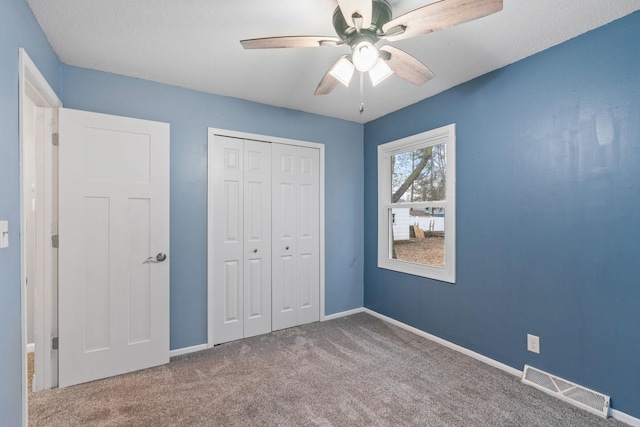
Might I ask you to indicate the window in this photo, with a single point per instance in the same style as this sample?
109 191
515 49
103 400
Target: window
417 204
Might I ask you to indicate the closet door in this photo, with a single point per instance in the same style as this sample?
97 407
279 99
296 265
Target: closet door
257 238
228 236
242 238
296 258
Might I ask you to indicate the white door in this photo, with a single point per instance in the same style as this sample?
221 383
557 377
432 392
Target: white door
113 222
241 238
296 242
257 238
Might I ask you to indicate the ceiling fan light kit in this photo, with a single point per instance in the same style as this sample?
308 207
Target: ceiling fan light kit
343 70
365 55
361 24
380 72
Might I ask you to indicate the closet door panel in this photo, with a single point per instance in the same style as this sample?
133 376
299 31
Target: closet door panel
228 231
296 227
232 310
257 232
285 217
307 236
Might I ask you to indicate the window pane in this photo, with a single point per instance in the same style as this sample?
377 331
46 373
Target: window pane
419 175
418 235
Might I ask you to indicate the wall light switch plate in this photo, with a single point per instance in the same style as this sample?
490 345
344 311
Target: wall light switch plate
4 234
533 343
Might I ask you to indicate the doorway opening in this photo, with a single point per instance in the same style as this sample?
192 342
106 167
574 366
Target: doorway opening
38 106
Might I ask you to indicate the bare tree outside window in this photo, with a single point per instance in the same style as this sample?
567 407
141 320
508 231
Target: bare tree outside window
418 233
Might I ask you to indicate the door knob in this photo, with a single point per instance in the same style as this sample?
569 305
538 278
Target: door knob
287 248
255 251
158 258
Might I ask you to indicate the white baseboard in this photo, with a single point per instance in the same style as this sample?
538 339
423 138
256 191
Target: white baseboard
625 418
456 347
342 314
31 348
187 350
618 415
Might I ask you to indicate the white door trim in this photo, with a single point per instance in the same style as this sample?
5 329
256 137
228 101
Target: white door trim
210 200
32 84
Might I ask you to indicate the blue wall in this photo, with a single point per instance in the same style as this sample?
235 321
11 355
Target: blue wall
548 218
548 211
18 28
190 113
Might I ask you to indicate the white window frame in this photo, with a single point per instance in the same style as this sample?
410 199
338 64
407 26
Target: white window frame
444 135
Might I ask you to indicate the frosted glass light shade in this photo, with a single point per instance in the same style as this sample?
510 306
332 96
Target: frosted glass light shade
343 71
380 72
365 56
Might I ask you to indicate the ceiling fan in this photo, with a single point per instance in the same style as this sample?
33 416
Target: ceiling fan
361 24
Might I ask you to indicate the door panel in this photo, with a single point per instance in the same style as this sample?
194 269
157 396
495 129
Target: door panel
232 292
284 226
96 268
243 169
113 215
113 156
308 236
305 285
228 231
288 279
232 197
257 244
296 272
140 274
254 288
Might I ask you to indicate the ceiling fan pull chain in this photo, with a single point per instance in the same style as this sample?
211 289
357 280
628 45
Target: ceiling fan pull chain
361 92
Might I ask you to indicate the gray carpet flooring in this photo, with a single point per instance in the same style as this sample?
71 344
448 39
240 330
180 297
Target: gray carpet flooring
353 371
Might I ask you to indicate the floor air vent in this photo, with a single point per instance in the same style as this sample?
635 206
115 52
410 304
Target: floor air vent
579 396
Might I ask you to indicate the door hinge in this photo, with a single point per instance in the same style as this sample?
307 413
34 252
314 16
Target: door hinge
55 139
55 241
54 343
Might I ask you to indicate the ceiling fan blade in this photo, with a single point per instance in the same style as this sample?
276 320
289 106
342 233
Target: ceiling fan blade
329 82
326 85
406 66
289 41
363 8
438 16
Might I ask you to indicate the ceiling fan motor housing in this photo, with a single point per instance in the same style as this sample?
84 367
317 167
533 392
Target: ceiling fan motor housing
381 14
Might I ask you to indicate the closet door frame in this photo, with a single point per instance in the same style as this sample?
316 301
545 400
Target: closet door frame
212 132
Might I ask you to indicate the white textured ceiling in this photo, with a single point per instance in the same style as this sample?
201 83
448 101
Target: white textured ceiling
195 44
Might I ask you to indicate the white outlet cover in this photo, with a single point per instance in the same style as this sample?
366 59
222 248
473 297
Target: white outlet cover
533 343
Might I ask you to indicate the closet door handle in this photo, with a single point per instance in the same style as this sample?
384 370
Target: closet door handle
155 259
287 248
255 251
